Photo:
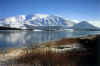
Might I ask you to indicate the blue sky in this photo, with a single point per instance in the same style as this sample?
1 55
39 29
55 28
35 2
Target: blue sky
73 9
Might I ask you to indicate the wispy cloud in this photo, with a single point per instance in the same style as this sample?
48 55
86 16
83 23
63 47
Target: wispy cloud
95 23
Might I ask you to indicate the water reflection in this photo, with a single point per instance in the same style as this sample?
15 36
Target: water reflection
20 38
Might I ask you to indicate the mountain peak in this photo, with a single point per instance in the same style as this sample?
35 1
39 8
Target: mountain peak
85 22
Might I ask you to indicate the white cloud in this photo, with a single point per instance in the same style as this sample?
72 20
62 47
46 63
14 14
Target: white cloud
41 15
76 21
95 23
11 19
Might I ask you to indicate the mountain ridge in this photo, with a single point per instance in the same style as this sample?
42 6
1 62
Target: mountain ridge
42 21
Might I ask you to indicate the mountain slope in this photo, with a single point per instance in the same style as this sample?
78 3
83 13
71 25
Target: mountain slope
84 25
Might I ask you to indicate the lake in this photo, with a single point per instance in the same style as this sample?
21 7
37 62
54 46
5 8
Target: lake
20 38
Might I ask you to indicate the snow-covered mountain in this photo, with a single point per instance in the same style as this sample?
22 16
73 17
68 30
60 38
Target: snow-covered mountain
84 25
31 21
48 20
44 22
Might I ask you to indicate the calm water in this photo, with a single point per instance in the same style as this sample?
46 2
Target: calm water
14 38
